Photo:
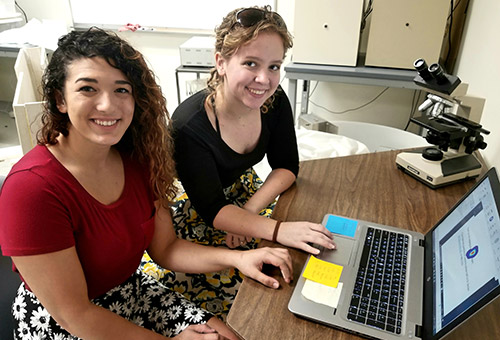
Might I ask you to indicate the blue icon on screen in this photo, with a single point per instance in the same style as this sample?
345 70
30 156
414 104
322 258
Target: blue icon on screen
471 253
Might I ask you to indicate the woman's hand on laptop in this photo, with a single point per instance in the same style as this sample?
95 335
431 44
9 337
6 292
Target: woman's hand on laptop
301 235
251 263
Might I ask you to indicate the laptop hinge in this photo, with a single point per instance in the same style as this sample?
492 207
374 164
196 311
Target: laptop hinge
418 331
421 243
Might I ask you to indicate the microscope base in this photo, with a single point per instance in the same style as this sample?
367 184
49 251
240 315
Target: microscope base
437 174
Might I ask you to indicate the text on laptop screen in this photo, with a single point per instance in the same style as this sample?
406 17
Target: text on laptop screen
466 251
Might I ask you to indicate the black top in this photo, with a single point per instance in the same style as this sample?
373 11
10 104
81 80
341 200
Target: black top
206 164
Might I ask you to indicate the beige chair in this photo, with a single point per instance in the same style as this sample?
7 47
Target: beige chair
27 103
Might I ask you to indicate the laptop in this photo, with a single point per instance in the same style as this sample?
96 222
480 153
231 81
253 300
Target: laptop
397 283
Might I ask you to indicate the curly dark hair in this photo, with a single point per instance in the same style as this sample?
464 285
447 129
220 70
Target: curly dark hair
148 138
230 35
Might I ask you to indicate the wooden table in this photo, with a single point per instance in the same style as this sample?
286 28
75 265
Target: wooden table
367 187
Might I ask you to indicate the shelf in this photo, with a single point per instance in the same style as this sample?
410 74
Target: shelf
361 75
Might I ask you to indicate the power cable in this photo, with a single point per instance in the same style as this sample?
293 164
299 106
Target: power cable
352 109
22 10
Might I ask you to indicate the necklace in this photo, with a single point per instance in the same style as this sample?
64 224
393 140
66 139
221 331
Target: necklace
217 127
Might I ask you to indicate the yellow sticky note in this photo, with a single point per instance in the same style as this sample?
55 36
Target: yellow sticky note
323 272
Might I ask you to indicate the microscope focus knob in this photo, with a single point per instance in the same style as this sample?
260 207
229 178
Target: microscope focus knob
432 154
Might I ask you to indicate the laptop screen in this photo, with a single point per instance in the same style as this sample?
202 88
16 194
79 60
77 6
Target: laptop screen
466 256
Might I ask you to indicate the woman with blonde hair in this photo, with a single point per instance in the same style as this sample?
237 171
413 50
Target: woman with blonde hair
221 132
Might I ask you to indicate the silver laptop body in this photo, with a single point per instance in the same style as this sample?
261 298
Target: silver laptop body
435 300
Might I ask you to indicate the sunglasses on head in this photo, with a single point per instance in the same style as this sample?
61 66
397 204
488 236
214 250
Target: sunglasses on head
249 17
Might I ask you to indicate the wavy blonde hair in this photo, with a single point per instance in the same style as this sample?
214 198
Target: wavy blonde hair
148 138
230 35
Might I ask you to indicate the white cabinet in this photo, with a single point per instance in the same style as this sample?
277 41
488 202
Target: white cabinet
401 31
327 31
28 105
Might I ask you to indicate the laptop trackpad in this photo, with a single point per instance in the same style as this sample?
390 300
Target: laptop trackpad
342 254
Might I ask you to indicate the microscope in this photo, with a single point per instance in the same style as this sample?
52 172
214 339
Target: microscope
455 137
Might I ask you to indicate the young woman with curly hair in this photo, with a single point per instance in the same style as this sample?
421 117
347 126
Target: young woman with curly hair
79 210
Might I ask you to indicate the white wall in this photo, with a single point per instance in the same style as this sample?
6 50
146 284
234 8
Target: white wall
477 65
161 50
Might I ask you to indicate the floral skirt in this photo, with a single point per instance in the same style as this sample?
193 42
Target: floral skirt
141 299
214 292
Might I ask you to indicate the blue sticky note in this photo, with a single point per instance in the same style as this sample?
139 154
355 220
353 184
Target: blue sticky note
341 226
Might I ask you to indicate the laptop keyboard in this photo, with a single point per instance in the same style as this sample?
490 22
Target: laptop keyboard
378 296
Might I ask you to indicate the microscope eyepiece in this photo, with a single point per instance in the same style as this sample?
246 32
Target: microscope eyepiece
434 77
437 72
422 69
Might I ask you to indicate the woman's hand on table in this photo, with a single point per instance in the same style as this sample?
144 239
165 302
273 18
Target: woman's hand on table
301 235
251 263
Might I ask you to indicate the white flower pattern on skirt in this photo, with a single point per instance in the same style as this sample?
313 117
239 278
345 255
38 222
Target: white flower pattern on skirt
141 299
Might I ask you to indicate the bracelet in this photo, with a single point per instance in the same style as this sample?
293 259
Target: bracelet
276 228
